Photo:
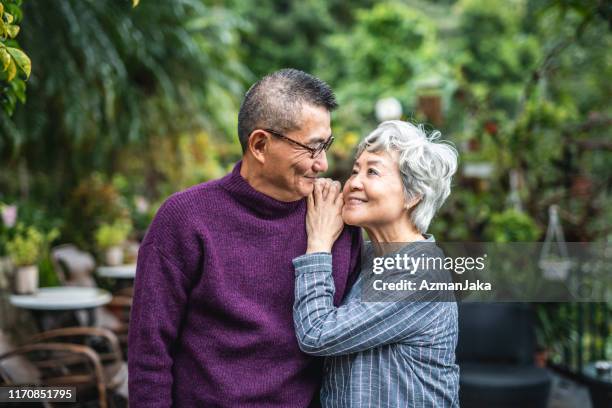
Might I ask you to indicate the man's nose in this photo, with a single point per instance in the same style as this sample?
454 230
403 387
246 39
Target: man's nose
320 163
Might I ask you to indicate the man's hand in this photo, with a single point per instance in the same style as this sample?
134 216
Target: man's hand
324 219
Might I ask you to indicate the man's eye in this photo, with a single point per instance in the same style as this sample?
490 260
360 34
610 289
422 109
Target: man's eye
354 171
372 171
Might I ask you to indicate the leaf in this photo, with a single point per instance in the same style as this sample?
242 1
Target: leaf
13 30
22 60
19 87
5 59
135 3
12 71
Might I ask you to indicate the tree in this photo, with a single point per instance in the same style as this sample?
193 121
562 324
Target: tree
15 65
281 34
111 78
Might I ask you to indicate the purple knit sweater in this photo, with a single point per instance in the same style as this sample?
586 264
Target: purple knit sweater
211 322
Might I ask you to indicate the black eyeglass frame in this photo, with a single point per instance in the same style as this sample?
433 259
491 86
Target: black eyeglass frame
314 151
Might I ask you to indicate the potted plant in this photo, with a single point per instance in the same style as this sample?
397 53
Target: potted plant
554 330
25 250
110 238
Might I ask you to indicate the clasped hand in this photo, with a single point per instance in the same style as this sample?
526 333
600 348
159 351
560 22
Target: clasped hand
324 218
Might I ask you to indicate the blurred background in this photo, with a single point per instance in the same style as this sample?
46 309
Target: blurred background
109 106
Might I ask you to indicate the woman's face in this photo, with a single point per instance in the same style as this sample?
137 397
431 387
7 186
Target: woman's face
374 195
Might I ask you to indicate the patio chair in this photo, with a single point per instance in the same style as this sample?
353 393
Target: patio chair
106 346
495 353
54 364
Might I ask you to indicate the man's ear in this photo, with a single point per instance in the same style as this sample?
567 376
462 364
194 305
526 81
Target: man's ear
259 142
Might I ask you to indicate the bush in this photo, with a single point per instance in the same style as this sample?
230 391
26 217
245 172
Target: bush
512 226
29 245
109 235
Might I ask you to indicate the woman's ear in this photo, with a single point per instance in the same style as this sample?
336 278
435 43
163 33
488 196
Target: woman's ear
410 204
258 144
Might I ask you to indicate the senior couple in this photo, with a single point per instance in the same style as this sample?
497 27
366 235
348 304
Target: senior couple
244 283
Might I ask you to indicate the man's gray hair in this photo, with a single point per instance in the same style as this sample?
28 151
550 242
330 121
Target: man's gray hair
426 165
275 102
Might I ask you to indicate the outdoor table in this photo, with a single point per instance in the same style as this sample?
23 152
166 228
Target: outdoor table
46 303
117 272
123 274
600 385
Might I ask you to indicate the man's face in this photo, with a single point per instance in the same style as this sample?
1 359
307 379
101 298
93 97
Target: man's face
289 168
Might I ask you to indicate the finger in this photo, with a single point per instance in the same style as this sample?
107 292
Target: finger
317 192
310 201
326 187
336 189
339 203
339 198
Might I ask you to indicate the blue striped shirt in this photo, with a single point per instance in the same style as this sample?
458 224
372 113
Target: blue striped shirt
379 354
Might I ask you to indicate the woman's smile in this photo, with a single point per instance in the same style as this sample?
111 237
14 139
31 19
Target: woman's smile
353 201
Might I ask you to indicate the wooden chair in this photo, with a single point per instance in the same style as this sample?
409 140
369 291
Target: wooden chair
57 364
106 346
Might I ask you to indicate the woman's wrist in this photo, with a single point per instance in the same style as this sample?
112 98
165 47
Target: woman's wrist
318 246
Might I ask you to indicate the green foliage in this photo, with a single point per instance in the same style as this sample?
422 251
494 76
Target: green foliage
15 65
497 50
511 226
552 330
47 276
109 235
93 202
29 244
111 76
152 93
288 34
391 50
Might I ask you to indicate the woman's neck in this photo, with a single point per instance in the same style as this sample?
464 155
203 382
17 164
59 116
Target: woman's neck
396 232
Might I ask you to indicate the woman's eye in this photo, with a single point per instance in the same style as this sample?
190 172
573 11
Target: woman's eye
372 171
354 171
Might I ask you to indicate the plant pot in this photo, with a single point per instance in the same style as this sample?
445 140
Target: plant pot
131 252
541 358
555 270
26 279
113 256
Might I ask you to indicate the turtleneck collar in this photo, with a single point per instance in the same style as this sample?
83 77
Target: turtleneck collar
257 201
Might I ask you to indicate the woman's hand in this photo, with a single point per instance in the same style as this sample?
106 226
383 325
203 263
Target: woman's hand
324 219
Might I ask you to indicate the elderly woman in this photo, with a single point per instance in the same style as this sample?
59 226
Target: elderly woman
380 354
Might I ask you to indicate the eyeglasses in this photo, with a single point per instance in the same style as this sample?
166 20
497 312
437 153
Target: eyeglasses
314 151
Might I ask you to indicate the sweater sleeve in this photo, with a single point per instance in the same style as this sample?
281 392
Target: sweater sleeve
325 330
161 292
356 253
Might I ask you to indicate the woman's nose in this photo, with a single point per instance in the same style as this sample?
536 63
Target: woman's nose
354 182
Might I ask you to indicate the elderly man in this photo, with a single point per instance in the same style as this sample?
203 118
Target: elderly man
211 322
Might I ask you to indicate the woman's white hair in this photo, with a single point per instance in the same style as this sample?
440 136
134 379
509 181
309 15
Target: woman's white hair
426 165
